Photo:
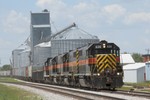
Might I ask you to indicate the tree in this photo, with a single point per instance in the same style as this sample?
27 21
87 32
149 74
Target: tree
6 67
137 57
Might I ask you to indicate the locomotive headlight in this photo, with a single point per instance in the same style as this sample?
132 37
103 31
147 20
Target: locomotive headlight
104 45
98 74
119 73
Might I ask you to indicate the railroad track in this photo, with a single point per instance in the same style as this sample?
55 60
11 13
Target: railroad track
75 93
130 93
88 94
70 92
134 93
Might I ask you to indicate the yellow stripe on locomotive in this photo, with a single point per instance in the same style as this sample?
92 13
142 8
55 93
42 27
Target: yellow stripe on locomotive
104 61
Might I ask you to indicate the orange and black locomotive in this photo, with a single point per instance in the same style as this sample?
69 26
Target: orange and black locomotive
95 65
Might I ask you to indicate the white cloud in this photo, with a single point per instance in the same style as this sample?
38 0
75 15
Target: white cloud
137 17
89 15
113 11
84 7
15 23
53 5
62 13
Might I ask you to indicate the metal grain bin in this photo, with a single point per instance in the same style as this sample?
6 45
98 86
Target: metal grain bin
16 57
41 53
22 71
15 71
70 40
25 58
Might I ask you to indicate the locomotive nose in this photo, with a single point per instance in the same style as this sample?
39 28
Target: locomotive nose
106 63
107 72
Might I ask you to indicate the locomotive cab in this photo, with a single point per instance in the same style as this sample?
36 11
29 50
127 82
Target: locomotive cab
105 48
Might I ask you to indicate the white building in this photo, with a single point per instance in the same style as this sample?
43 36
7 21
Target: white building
5 73
147 71
126 59
134 73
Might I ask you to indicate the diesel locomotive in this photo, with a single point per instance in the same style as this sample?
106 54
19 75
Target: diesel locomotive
95 65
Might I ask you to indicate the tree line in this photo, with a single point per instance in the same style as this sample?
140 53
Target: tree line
5 67
137 57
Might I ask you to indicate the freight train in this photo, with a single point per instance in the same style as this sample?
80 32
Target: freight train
95 65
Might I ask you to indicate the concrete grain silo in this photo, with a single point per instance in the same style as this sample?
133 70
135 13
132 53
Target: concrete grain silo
40 29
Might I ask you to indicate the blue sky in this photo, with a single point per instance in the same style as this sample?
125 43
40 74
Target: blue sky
124 22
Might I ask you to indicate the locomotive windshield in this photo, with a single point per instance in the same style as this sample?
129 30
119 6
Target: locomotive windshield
104 49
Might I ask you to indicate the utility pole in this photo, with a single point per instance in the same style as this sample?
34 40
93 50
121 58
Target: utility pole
148 50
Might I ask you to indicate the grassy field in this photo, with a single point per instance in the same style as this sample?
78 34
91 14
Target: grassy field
14 93
8 79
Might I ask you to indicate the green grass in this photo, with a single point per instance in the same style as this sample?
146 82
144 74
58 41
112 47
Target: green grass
142 84
125 88
142 87
8 79
13 93
145 90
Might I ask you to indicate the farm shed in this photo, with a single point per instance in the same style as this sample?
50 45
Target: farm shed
147 71
134 73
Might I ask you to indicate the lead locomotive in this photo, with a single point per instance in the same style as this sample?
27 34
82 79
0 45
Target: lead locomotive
95 65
